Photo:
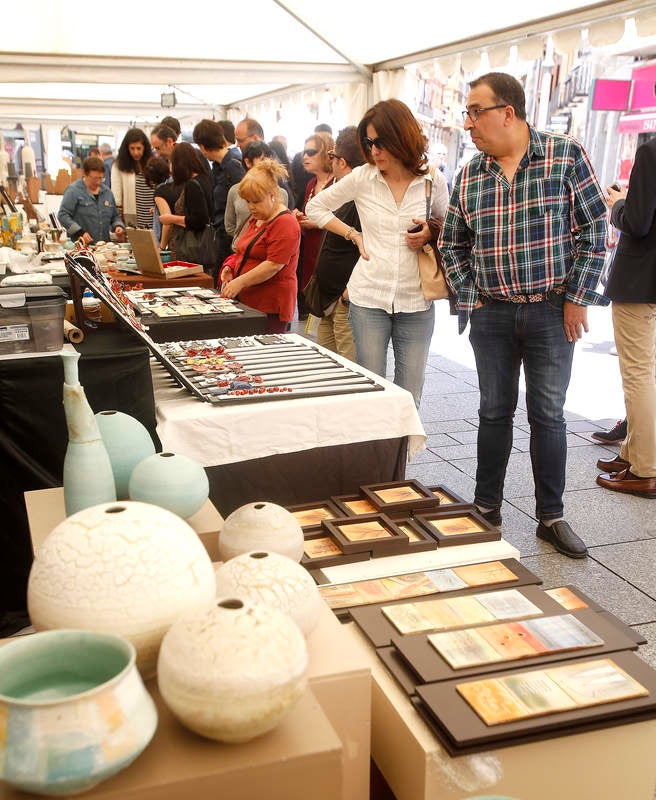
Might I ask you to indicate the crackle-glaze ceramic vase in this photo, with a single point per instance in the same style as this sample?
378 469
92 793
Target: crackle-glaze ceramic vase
127 443
234 672
274 581
73 711
126 568
171 481
261 526
88 478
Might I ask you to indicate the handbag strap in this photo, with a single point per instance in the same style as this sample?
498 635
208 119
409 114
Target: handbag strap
428 187
249 246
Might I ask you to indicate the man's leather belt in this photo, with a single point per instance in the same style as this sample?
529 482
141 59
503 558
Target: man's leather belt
537 297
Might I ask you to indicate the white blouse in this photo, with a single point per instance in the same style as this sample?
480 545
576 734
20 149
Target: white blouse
390 279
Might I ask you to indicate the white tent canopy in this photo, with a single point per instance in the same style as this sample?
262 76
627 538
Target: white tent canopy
76 65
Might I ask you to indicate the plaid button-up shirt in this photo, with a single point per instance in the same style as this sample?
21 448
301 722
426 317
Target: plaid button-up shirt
545 229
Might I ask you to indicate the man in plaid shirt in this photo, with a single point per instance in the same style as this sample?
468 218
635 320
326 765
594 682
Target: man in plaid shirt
523 247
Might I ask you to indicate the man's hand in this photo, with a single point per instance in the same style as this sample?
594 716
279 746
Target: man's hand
575 320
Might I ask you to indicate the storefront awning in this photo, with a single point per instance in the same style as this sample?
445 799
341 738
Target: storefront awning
638 123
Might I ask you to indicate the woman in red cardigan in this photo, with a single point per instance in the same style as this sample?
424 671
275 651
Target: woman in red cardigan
264 275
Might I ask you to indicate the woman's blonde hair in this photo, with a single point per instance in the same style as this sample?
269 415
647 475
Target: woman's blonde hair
324 143
261 179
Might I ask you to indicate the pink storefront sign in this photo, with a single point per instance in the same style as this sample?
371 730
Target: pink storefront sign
637 123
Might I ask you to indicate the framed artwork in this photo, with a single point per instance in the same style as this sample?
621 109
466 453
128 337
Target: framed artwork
400 496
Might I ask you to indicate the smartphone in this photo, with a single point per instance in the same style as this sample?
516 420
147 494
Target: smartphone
415 228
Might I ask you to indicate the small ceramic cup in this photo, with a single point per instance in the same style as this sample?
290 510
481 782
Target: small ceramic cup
73 710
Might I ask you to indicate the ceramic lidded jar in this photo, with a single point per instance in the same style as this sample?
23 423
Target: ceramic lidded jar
261 526
171 481
127 443
125 568
234 672
274 581
73 709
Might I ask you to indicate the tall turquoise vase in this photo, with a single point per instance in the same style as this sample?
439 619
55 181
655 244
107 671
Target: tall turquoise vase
88 476
127 443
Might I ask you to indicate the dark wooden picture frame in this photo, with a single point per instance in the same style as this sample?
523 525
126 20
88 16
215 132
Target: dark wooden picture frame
484 532
426 500
300 508
393 543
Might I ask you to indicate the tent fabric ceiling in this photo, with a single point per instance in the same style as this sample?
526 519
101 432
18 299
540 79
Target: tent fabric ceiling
215 56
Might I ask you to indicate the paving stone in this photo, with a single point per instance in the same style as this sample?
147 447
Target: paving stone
451 406
600 517
455 452
442 383
647 651
465 437
441 472
436 440
581 426
424 456
449 426
601 584
633 561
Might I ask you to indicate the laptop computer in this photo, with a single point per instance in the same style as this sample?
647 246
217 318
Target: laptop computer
146 254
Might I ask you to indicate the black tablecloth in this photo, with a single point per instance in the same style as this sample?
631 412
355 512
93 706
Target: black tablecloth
216 326
114 370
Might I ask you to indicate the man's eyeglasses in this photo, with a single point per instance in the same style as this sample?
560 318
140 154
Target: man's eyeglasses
474 113
378 143
332 154
310 152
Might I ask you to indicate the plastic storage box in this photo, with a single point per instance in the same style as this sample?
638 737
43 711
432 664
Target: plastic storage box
31 319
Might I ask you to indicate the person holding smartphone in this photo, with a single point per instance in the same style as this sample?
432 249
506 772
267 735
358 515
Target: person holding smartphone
389 191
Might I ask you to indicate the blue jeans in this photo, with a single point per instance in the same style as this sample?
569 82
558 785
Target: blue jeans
504 336
410 334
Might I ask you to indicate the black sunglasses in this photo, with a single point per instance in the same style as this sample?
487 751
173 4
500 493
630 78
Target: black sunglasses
378 143
332 154
310 152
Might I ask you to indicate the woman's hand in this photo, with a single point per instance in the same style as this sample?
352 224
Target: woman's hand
305 223
416 241
232 288
358 240
613 196
225 275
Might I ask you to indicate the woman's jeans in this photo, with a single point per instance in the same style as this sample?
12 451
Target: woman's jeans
504 336
410 334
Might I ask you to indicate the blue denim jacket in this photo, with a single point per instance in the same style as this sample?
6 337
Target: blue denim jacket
81 212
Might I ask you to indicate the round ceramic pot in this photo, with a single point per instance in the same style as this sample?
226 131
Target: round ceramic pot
74 711
127 443
233 673
261 526
171 481
125 568
274 581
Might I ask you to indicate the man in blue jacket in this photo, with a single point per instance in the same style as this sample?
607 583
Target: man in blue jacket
88 209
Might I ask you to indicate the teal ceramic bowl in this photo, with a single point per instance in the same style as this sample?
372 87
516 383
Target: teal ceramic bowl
165 255
73 711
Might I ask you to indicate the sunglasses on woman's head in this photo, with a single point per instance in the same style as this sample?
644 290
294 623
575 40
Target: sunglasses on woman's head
378 143
310 152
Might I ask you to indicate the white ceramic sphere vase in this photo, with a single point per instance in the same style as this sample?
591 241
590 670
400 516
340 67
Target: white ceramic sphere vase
274 581
261 526
234 672
126 568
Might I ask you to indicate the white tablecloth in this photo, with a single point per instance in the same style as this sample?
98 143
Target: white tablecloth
216 435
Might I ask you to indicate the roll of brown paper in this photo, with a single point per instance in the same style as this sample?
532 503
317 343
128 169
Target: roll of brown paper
72 333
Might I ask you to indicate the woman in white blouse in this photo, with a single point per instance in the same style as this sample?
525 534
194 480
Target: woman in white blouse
389 191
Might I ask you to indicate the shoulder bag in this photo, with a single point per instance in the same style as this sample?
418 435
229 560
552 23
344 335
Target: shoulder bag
199 247
431 271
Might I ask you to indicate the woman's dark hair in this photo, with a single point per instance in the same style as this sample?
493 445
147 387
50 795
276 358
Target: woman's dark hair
156 171
184 162
124 160
401 134
255 150
280 153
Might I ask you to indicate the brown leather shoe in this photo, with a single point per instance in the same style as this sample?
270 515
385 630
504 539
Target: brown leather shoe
613 465
629 483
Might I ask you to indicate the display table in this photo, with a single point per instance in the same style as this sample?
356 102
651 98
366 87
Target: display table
215 326
200 279
291 451
338 672
614 762
115 373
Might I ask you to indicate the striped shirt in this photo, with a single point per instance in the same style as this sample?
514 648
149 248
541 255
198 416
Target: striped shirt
545 229
145 201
